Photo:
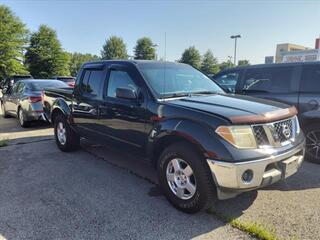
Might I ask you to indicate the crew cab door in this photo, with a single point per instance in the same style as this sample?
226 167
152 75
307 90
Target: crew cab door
87 99
122 119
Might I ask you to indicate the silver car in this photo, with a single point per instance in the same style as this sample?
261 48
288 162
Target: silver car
24 99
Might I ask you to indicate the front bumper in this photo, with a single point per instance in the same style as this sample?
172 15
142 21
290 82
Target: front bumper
229 176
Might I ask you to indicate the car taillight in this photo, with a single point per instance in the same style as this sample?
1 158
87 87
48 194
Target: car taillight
34 99
71 84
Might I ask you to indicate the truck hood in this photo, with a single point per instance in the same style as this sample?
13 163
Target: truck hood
238 109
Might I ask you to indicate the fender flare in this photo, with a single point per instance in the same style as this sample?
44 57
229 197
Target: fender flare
60 105
198 134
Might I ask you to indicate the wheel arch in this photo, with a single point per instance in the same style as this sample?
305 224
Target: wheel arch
59 107
201 137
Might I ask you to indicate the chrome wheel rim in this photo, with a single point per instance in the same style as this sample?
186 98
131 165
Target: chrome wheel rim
21 119
61 133
181 179
313 144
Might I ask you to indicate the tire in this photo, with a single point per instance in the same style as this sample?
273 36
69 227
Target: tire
66 138
22 118
184 155
4 112
312 133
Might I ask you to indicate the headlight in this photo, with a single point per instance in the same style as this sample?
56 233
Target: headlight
238 136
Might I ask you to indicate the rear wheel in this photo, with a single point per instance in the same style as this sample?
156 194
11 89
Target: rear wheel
22 119
313 143
185 178
66 138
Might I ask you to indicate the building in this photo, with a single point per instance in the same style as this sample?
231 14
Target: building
288 52
301 56
269 59
287 47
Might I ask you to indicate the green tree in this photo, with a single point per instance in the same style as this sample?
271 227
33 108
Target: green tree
114 48
209 64
243 63
45 57
192 57
77 59
225 65
13 38
144 49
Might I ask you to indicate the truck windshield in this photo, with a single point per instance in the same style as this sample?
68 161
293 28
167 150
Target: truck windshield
176 79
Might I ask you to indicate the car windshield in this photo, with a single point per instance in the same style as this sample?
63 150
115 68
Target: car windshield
39 85
176 79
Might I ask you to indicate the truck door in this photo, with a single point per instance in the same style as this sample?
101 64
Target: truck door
87 99
123 119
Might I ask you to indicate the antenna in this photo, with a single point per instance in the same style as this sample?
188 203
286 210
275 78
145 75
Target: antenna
165 46
165 62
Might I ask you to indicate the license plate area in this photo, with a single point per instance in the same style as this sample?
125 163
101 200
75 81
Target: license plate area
290 166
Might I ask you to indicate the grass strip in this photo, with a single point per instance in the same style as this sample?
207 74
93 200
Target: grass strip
4 142
254 229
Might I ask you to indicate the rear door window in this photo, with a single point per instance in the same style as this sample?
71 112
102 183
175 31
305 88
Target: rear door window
92 82
310 80
269 80
228 81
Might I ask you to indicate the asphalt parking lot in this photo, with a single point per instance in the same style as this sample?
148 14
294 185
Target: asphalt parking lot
101 193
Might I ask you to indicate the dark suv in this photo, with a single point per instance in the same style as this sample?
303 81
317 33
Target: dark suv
296 84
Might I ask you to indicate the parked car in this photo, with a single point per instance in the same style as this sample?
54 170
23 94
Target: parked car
296 84
205 144
68 80
24 99
7 83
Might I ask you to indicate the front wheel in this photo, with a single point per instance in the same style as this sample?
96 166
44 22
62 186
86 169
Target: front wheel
185 178
66 138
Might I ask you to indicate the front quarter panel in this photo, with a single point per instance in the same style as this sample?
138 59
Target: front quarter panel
202 136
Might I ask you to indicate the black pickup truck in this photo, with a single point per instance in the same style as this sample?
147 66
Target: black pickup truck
204 143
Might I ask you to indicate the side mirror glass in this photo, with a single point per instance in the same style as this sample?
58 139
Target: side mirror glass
126 93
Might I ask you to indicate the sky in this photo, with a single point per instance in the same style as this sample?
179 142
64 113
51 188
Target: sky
84 25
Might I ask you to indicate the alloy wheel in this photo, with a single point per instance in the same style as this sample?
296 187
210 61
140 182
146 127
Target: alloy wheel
61 133
181 179
313 143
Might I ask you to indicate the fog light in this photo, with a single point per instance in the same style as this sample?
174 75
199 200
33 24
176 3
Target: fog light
247 176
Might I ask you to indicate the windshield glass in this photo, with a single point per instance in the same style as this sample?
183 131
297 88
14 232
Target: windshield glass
174 79
39 85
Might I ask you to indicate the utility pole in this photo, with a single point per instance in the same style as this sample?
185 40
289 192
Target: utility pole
235 37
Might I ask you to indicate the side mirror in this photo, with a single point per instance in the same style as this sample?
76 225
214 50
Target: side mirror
126 93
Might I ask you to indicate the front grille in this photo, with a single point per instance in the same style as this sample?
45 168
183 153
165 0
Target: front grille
275 134
260 135
279 130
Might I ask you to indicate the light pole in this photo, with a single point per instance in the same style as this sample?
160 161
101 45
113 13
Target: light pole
235 37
